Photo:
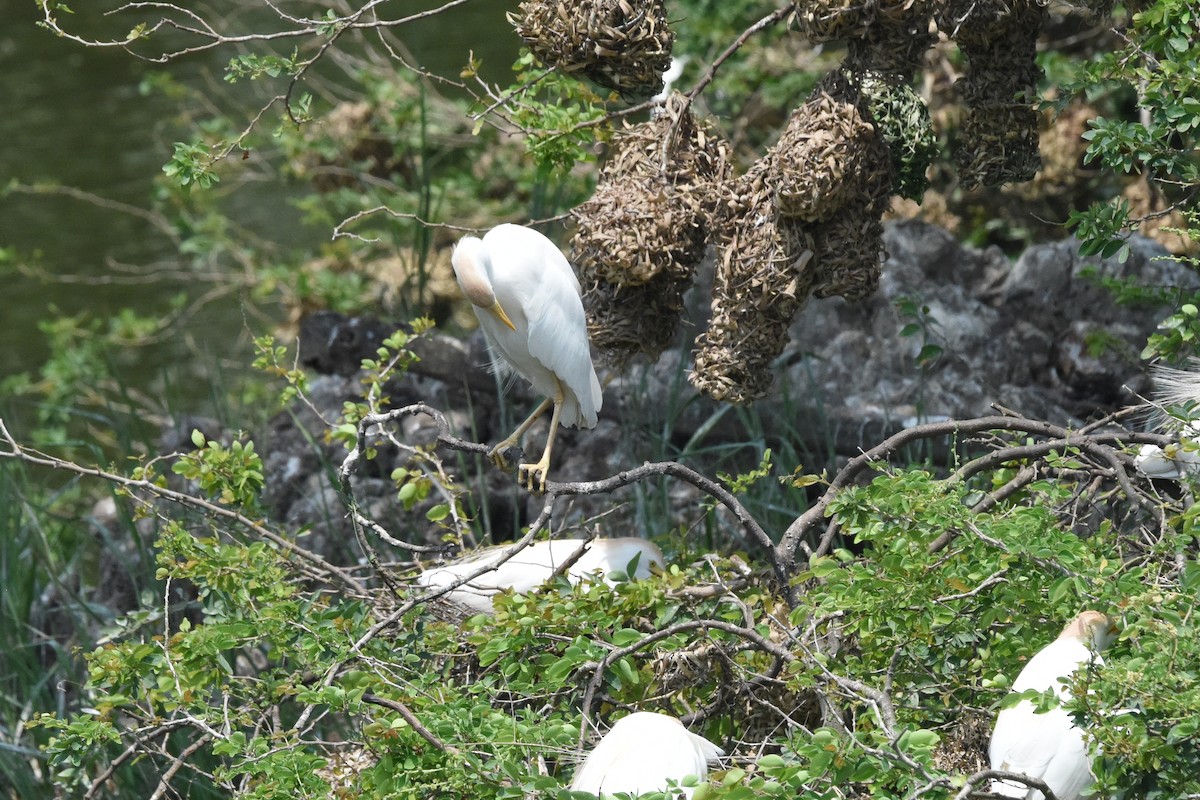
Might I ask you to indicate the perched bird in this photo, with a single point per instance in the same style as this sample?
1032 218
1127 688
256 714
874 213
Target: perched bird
1048 745
1180 388
533 566
528 303
1173 461
641 753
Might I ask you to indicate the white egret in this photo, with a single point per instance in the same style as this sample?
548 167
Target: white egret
642 753
1173 461
1180 388
528 303
1049 745
533 566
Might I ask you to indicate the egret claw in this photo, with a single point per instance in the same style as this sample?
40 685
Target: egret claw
528 473
497 454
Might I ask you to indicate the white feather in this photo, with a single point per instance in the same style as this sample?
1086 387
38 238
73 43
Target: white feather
645 752
534 284
1049 745
533 566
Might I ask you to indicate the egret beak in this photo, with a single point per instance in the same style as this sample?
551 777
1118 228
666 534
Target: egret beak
499 312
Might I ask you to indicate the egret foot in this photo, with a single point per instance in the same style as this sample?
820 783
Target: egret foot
496 454
528 473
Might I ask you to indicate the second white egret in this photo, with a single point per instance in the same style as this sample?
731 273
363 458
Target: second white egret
645 752
535 564
1048 745
528 302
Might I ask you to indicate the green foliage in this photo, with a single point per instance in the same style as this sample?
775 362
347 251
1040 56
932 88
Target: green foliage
259 676
1099 229
740 484
1142 707
252 67
562 114
232 475
192 165
82 377
1161 63
923 324
394 357
272 361
1178 336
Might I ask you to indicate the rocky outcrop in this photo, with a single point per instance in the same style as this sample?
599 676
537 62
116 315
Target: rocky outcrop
951 332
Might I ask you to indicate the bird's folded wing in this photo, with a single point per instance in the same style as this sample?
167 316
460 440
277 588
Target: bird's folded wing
558 337
1027 742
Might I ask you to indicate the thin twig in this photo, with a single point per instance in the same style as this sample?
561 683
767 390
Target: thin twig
27 455
413 722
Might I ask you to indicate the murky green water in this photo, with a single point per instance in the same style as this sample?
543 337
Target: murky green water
74 116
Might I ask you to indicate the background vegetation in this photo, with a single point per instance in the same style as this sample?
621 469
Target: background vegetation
846 633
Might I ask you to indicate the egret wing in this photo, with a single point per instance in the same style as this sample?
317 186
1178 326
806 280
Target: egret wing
558 336
1026 742
1047 745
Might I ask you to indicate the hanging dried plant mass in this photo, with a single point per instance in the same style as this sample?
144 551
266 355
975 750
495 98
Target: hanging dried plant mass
619 44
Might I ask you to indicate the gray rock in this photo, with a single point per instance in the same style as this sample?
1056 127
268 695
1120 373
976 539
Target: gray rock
1036 335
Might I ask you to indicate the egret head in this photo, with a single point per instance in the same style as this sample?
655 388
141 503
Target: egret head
470 260
1093 628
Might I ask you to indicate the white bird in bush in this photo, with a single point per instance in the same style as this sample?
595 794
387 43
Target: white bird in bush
529 305
1049 745
1173 461
533 566
1179 388
642 753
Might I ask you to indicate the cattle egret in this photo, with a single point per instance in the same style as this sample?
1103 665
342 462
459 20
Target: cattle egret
1171 462
1181 388
1048 745
643 753
533 566
528 304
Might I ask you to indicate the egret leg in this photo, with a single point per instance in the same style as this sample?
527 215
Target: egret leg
527 473
496 454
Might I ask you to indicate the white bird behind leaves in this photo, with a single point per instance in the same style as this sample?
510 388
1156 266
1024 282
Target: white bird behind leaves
528 303
533 566
643 753
1174 388
1049 745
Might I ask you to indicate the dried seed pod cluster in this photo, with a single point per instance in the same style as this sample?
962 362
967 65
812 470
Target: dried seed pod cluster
824 148
803 220
846 238
849 254
758 289
620 44
626 321
902 119
884 61
639 238
829 20
999 135
894 45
